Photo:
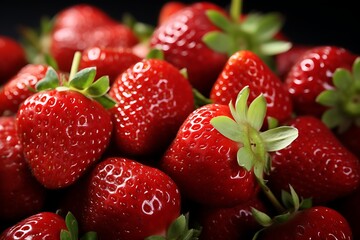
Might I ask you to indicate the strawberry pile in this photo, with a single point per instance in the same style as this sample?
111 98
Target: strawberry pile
210 125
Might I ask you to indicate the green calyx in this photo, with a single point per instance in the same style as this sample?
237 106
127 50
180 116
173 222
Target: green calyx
72 230
343 101
179 230
292 204
82 81
245 127
256 32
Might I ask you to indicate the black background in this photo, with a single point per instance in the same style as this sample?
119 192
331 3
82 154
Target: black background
311 22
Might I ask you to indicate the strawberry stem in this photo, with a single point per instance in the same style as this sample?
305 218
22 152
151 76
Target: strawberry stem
75 64
270 195
235 10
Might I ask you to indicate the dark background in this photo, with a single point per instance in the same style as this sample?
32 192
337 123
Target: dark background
311 22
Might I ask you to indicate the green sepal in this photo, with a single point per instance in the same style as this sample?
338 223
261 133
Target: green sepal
72 225
279 138
65 235
89 236
184 72
155 53
241 105
142 30
256 112
329 98
342 79
218 41
306 203
219 20
83 78
282 217
50 61
356 69
106 101
228 127
200 99
245 158
274 47
99 87
269 24
50 81
262 218
177 227
259 169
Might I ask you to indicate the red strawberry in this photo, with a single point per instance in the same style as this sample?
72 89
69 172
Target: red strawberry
153 99
83 26
108 61
14 60
316 164
245 68
285 60
45 225
20 194
214 169
201 36
312 74
124 199
168 9
63 131
17 89
229 223
300 220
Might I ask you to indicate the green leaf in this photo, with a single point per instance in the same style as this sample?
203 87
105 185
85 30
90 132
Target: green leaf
268 26
274 47
106 101
256 112
72 225
155 53
342 79
177 227
245 158
50 81
262 218
89 236
329 98
282 217
99 87
250 24
356 69
65 235
83 79
295 198
286 199
306 203
218 41
279 138
227 127
219 20
332 117
241 105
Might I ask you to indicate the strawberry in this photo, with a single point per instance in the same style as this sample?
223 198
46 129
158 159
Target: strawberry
201 36
15 58
316 164
213 169
83 26
229 223
285 60
302 221
153 99
20 194
342 103
312 73
65 129
245 68
108 61
124 199
18 88
45 225
168 9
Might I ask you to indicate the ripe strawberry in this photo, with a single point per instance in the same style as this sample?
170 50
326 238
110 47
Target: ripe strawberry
64 131
201 36
15 58
124 199
213 169
245 68
79 27
45 225
285 60
229 223
20 194
312 74
316 164
302 221
108 61
168 9
153 99
17 89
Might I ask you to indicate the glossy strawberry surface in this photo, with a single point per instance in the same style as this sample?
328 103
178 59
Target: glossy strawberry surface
125 199
62 133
